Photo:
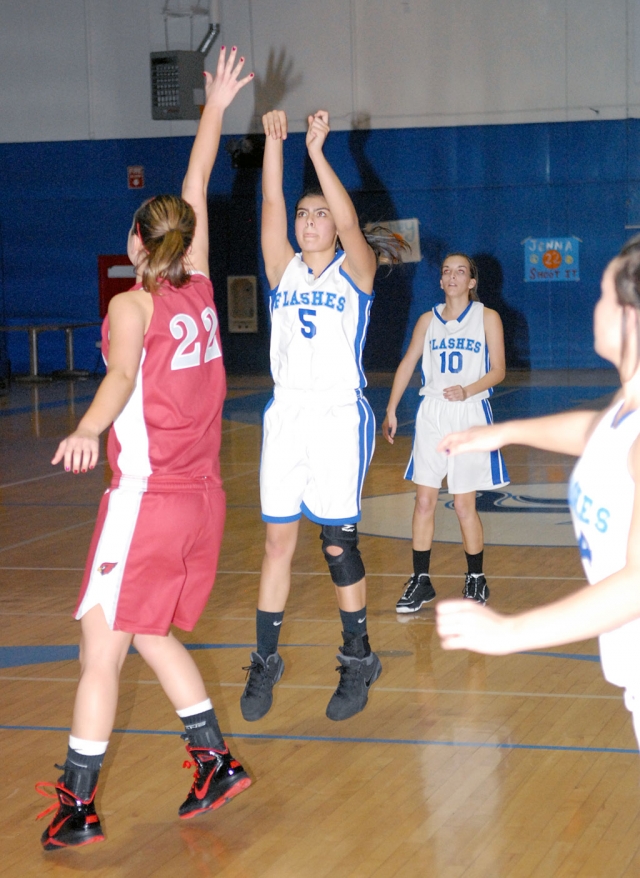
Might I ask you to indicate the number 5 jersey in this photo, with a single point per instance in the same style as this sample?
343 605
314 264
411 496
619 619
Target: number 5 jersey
319 327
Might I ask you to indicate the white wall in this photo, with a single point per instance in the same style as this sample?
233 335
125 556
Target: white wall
79 69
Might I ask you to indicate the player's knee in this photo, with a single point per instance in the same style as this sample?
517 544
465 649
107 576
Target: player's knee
426 504
278 547
464 506
346 568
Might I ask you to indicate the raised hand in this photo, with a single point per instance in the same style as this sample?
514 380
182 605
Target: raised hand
275 124
318 131
222 89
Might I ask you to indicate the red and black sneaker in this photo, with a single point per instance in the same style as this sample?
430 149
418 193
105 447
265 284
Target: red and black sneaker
218 778
75 823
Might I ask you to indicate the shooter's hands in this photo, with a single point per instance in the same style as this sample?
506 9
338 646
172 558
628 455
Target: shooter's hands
275 124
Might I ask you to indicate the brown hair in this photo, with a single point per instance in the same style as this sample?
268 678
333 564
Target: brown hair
387 245
627 286
165 226
473 272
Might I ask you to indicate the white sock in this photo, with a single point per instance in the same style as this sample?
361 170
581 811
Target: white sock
88 748
196 708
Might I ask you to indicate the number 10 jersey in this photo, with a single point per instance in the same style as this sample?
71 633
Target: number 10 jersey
319 327
455 352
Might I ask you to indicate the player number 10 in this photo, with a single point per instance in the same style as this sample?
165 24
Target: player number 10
455 361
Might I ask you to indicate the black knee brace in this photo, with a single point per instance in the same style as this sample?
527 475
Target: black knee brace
347 567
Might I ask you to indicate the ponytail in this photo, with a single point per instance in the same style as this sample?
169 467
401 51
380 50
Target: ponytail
387 245
165 226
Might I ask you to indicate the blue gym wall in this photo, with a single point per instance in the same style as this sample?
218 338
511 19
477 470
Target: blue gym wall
478 189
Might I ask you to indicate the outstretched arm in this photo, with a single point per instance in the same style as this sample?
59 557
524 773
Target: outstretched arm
586 613
276 249
403 375
360 259
219 92
566 433
127 324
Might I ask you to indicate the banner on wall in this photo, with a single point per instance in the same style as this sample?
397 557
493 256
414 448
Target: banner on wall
410 231
551 259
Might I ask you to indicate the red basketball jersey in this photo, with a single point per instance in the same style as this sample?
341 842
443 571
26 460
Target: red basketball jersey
170 427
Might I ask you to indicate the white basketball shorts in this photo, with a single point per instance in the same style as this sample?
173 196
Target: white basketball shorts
476 471
315 456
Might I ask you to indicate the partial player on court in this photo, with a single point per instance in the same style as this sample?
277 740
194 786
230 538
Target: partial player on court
604 498
461 344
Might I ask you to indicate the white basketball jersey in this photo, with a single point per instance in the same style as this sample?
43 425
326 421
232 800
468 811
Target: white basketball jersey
601 493
318 329
455 352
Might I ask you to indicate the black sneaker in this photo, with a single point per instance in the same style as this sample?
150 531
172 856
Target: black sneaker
75 823
476 588
359 669
218 778
257 698
418 591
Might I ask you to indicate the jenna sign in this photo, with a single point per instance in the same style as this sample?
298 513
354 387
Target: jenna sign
551 259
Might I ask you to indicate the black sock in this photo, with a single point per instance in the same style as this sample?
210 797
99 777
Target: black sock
202 730
78 760
474 562
81 773
354 624
268 632
421 561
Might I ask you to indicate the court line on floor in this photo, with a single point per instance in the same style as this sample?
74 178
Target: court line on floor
52 475
54 403
322 573
333 739
317 687
48 535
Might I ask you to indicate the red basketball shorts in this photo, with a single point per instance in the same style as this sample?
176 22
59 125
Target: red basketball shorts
153 556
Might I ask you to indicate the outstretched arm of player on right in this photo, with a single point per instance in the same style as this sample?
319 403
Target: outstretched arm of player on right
566 433
586 613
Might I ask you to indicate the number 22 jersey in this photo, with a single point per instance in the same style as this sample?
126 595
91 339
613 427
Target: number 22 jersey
170 427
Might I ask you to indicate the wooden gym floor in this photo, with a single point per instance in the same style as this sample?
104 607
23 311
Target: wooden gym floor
461 765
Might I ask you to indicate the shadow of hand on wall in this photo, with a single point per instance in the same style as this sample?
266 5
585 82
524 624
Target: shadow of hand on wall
278 81
516 329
